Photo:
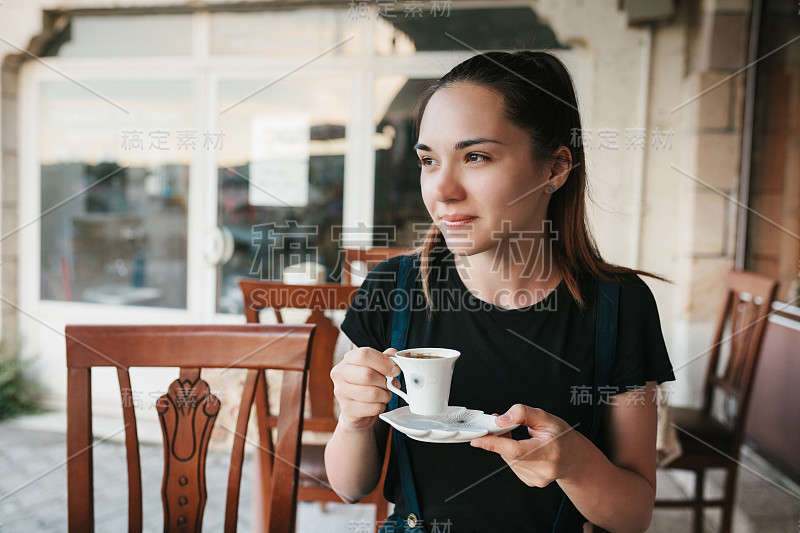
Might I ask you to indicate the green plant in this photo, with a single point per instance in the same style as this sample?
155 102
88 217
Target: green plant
19 394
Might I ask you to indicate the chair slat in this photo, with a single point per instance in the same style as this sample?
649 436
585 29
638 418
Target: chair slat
735 338
712 368
743 335
189 374
237 455
287 455
80 479
266 446
187 413
131 453
319 376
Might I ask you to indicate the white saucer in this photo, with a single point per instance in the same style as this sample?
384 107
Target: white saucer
458 424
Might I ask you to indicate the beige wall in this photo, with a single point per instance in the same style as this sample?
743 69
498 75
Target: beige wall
646 213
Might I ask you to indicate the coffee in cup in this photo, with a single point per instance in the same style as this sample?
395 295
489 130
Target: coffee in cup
419 355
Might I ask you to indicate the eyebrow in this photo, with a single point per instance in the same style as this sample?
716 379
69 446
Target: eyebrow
460 145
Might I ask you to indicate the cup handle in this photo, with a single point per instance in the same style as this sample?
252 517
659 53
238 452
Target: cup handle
394 389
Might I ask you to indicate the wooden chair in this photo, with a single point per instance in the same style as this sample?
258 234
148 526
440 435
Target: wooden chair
261 295
187 413
707 441
369 257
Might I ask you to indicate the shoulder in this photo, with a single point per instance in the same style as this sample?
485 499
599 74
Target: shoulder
641 354
636 300
638 310
634 292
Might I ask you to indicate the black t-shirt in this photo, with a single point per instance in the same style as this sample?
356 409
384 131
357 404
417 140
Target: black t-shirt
541 356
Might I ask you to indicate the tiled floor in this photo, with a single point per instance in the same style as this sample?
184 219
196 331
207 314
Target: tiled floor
33 491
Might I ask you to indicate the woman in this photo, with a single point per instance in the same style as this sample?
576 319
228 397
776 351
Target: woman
509 245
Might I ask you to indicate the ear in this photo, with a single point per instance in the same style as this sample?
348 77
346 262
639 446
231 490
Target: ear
559 169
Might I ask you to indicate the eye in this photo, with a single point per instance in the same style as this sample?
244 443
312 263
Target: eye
425 161
476 158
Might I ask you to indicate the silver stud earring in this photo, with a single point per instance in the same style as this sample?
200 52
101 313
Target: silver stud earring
550 188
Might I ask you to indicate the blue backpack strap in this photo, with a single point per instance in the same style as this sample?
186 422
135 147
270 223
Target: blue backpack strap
605 345
605 341
401 319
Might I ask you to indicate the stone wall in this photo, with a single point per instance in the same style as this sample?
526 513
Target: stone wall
19 23
711 114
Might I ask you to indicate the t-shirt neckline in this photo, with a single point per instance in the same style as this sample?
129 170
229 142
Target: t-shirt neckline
455 279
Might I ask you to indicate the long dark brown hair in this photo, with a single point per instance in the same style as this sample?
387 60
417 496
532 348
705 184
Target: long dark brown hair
540 99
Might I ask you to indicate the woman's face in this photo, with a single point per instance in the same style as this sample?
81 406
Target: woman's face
479 181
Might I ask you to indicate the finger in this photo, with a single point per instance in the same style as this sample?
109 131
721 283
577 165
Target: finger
373 359
355 412
360 376
506 434
523 415
362 394
362 409
395 371
508 448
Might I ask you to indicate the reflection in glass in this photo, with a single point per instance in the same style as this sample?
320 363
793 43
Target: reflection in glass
281 181
398 201
114 187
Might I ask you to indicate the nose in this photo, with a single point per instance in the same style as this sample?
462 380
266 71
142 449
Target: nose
447 185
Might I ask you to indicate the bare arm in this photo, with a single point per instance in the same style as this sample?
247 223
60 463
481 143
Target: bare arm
354 454
616 492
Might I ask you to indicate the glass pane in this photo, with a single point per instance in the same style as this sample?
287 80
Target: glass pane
281 178
124 36
771 249
304 32
441 26
115 177
398 200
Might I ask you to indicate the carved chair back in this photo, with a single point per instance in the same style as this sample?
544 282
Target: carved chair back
187 413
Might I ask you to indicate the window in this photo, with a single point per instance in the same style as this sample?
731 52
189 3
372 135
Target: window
196 148
114 191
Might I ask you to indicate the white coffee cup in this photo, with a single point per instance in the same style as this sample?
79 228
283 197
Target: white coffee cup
428 373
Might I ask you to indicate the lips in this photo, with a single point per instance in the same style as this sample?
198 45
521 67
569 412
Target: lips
457 221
